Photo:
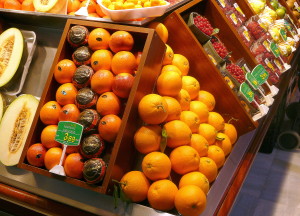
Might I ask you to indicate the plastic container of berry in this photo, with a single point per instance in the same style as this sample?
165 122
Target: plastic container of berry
216 49
195 22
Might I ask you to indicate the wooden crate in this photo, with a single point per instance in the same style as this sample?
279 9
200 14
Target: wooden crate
120 155
183 41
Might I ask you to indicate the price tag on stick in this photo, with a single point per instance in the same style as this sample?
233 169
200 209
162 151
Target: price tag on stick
260 74
69 134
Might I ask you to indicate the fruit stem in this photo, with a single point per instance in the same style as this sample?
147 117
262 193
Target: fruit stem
162 106
232 119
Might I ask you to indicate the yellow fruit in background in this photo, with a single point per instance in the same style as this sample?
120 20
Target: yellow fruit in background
169 54
192 86
160 28
190 201
169 84
155 3
208 132
184 99
195 178
147 4
231 132
170 68
182 63
207 98
184 159
174 108
200 144
209 168
224 143
161 195
200 109
147 138
216 120
156 166
128 5
191 119
217 154
178 133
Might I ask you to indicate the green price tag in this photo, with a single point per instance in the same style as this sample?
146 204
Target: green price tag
275 49
69 133
283 34
253 82
247 92
260 74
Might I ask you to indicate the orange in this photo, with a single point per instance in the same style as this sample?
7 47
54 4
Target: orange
52 157
169 84
178 133
93 15
195 178
101 60
121 41
216 120
161 30
108 103
27 5
208 132
66 94
12 4
191 85
190 201
147 138
156 166
200 144
217 154
209 168
182 63
122 85
169 54
153 109
109 126
74 165
98 39
48 136
102 81
35 155
184 159
171 67
2 3
207 98
191 119
91 7
184 99
224 143
138 56
49 112
72 149
69 112
161 195
200 109
230 131
174 108
135 186
123 62
73 6
64 71
99 11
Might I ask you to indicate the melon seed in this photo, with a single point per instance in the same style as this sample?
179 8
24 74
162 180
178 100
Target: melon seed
5 53
17 136
44 2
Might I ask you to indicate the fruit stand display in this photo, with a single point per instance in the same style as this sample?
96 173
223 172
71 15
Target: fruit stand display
197 81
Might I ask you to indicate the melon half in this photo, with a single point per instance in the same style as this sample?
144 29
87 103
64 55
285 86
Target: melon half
11 52
49 6
14 128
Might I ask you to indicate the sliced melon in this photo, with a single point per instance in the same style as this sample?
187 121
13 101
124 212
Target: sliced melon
11 52
14 128
47 5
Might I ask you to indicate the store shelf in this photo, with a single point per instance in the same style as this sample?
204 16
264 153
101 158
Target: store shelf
47 193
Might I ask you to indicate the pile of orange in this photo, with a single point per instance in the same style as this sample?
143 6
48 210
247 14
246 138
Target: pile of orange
26 5
111 57
180 116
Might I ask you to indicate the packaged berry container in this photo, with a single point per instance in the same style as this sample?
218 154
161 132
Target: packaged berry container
215 48
262 47
225 5
246 36
255 27
234 19
270 67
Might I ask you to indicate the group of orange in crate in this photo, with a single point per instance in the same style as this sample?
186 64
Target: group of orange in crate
182 135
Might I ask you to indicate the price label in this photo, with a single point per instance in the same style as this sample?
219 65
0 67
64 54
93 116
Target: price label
253 82
247 92
222 3
283 34
69 133
260 74
275 50
237 7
